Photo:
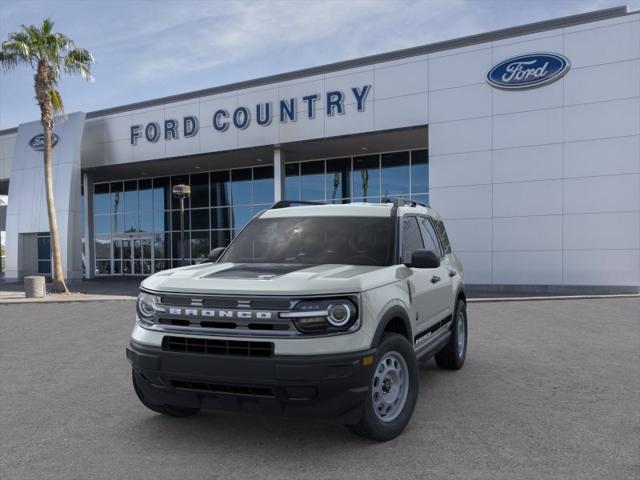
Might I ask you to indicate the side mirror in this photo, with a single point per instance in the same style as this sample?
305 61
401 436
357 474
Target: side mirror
424 259
214 254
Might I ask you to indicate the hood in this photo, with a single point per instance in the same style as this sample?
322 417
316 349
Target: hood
270 279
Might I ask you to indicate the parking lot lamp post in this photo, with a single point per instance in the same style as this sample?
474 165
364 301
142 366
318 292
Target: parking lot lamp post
182 192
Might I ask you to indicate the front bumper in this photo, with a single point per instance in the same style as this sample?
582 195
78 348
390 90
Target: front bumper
327 386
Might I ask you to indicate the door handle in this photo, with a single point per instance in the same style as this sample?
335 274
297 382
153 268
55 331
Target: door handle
452 273
435 279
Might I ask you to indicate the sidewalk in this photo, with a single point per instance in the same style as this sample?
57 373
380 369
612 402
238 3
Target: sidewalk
126 288
103 289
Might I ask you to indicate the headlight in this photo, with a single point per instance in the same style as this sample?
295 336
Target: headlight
146 306
323 316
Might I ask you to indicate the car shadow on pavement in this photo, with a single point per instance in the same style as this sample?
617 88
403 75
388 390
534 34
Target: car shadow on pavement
210 431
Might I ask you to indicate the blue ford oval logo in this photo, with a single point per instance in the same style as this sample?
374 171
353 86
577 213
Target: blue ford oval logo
528 71
37 142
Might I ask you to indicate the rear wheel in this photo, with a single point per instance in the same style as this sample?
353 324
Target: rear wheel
393 390
452 356
170 410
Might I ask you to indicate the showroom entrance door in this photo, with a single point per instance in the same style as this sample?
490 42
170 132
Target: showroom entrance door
133 256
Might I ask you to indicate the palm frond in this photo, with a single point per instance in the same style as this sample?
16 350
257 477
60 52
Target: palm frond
52 53
8 60
79 60
56 101
47 26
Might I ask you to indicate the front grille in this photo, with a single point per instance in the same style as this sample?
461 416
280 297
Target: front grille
218 347
256 391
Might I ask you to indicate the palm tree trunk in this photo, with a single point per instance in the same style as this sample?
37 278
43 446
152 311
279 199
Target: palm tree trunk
59 284
42 86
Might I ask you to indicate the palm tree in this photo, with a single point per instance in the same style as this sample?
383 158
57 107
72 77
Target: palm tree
50 55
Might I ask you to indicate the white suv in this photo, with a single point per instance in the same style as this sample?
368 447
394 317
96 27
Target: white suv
313 310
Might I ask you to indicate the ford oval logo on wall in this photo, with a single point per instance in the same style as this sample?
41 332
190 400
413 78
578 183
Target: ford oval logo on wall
528 71
37 142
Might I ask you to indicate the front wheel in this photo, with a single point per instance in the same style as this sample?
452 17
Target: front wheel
452 356
393 391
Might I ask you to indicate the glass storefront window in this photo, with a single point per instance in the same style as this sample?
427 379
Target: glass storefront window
419 172
175 220
145 221
220 238
338 180
366 177
43 241
395 174
102 224
103 267
131 203
103 247
101 198
131 222
176 251
241 216
220 218
200 245
143 212
292 181
241 187
161 194
145 195
161 243
200 190
312 181
161 221
263 185
179 180
200 219
220 189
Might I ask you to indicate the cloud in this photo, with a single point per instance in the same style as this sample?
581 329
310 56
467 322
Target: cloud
147 49
189 41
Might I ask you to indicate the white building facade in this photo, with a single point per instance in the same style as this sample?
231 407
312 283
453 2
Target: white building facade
526 140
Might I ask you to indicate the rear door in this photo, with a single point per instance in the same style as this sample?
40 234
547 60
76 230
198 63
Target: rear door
442 293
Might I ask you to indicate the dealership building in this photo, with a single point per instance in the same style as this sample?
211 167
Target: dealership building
526 140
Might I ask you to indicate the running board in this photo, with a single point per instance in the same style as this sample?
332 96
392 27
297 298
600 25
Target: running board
428 350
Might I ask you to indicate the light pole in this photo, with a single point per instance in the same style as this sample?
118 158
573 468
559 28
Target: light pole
182 192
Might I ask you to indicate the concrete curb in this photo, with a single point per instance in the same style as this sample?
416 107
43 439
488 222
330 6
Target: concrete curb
548 298
70 299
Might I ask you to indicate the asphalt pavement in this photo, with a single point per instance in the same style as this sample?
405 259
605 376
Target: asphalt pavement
550 390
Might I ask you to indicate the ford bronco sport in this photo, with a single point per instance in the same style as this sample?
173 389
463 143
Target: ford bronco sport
313 310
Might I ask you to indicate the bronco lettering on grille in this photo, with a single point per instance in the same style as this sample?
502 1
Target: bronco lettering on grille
215 313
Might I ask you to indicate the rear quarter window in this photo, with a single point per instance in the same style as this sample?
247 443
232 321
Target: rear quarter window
442 235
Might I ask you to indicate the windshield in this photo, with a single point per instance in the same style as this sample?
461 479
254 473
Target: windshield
314 240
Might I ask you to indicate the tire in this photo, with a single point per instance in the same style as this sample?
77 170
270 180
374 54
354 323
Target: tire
394 355
169 410
452 356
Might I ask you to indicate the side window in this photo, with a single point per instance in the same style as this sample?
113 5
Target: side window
429 235
442 234
411 238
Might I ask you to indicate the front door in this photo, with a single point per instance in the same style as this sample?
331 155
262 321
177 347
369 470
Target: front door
133 256
428 286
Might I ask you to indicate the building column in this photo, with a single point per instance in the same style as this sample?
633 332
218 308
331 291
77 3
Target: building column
278 174
87 212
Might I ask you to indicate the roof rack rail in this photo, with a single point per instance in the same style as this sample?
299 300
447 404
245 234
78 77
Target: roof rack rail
291 203
403 202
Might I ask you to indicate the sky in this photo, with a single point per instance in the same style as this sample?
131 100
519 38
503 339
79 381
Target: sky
152 48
